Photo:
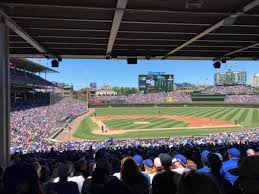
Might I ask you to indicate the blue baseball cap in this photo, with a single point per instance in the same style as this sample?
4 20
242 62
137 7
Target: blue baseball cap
204 155
149 163
138 159
180 158
234 152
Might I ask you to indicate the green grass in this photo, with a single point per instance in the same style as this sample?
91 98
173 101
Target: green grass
248 116
153 123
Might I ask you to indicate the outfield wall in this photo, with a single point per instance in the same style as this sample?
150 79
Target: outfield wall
195 104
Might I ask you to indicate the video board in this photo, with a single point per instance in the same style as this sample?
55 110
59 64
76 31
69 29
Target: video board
156 83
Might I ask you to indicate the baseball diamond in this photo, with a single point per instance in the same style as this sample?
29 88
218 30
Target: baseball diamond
121 122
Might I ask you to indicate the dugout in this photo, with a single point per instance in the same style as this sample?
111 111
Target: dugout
122 29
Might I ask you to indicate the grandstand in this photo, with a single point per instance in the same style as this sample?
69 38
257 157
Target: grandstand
26 86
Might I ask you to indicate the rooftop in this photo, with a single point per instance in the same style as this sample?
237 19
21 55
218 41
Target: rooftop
30 66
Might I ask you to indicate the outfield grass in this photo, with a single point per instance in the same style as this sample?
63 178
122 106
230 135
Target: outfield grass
152 123
248 116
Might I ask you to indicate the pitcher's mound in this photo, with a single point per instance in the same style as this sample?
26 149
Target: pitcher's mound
142 122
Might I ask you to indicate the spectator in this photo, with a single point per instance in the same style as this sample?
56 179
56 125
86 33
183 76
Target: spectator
180 164
131 174
139 161
250 152
165 182
204 159
191 165
102 182
248 173
157 164
149 168
197 183
63 186
44 176
21 178
231 163
37 167
215 164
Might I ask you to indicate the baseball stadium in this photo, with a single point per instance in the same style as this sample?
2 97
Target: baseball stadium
127 96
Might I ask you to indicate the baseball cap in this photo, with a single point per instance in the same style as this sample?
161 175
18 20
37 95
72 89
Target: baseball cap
204 155
249 167
166 159
138 159
180 158
234 152
149 163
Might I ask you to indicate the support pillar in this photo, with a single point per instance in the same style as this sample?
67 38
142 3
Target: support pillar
4 96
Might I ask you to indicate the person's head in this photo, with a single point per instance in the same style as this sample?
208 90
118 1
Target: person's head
248 172
149 166
37 167
91 168
71 169
204 157
82 165
214 163
44 174
197 183
21 179
63 171
139 160
101 172
157 164
129 170
233 153
166 161
180 161
250 152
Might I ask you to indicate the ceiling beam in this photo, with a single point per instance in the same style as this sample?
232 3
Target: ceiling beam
140 39
29 55
57 6
225 56
120 9
60 19
124 21
18 30
214 27
138 32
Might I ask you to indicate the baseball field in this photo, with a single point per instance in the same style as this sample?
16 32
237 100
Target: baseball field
145 122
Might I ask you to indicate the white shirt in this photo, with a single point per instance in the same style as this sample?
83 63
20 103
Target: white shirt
181 170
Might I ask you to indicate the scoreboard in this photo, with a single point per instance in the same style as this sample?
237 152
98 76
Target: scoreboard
156 82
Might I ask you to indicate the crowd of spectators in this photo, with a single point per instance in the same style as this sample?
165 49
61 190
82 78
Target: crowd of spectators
150 98
239 89
242 99
23 77
186 167
30 127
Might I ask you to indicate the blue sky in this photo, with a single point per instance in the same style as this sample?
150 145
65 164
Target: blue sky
80 72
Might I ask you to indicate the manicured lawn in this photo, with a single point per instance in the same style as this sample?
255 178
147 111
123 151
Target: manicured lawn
249 117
